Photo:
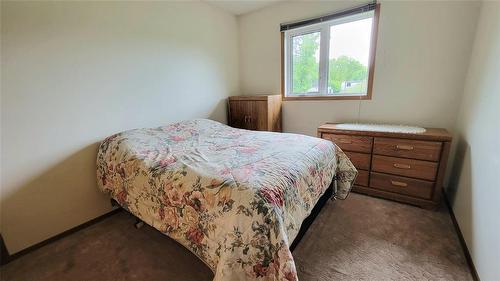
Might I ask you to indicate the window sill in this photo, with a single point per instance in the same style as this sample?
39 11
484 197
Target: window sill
297 98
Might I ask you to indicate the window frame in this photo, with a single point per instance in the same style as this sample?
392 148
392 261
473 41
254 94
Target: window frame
286 60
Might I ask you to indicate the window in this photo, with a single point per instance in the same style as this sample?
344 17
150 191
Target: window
330 57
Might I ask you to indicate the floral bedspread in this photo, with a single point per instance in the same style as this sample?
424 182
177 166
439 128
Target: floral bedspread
235 198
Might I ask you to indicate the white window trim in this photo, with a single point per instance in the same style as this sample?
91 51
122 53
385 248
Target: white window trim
324 29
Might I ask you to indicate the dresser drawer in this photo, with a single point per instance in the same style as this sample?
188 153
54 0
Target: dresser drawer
405 167
423 150
351 143
359 160
362 178
402 185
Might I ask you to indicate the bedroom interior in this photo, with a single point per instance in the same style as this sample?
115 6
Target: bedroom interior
235 140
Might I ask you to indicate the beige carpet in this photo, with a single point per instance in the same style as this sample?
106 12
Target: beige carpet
362 238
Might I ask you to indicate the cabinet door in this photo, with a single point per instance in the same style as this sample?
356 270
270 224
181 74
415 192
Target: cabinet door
250 115
237 114
259 118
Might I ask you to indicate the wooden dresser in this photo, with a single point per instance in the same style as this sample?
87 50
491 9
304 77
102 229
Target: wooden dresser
261 113
398 166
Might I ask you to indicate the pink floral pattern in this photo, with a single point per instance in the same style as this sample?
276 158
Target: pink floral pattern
235 198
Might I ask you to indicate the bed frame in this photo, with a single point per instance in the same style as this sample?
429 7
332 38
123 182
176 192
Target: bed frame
328 195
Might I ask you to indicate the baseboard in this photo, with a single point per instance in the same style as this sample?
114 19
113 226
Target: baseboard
6 257
468 257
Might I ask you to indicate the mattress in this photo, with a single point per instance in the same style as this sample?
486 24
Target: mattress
235 198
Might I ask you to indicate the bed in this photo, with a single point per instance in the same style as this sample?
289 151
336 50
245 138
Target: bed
235 198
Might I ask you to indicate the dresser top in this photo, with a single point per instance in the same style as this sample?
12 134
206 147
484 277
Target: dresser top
437 134
255 97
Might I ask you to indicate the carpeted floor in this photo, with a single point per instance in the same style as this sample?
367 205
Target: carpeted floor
362 238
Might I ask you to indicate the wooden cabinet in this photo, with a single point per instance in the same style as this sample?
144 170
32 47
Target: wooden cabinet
261 113
403 167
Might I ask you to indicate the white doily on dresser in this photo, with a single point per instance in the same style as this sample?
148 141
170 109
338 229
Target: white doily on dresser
381 128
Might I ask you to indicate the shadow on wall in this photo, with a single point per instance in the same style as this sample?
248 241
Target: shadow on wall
460 169
62 197
219 112
461 178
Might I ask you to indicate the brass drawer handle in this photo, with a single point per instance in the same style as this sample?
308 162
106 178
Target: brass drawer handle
345 141
404 147
399 183
402 166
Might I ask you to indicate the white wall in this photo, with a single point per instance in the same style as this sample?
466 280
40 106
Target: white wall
73 73
474 189
76 72
422 55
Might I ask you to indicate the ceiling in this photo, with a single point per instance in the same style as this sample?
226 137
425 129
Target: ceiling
239 7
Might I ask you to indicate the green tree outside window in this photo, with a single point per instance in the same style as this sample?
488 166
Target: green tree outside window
305 68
